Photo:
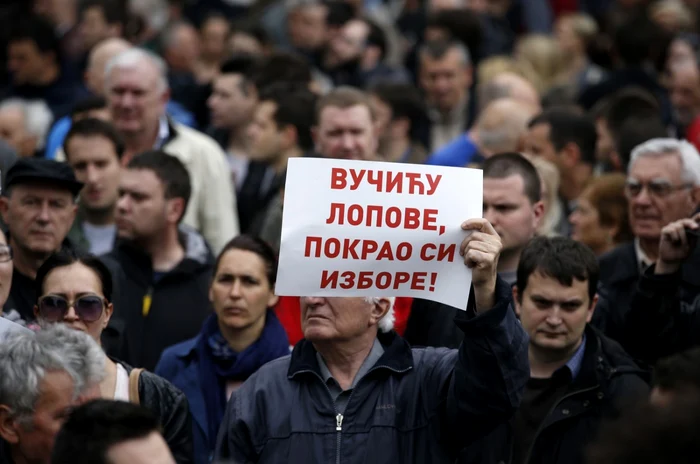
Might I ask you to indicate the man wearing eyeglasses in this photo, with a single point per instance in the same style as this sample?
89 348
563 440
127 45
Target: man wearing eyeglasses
663 186
38 206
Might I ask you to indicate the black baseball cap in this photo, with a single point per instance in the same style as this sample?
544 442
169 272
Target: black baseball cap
42 171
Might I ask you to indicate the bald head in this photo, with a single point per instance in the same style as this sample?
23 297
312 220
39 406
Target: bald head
503 124
100 55
509 85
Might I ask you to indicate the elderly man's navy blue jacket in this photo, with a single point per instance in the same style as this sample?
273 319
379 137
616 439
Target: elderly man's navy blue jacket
413 406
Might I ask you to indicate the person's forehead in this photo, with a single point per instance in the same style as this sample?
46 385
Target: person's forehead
666 165
24 45
227 82
91 146
351 116
266 109
55 387
140 180
139 75
511 187
450 59
549 286
12 115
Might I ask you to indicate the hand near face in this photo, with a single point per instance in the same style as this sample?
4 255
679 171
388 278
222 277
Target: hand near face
481 250
676 244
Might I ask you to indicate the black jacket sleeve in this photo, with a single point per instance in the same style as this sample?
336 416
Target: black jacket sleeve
481 387
171 406
659 323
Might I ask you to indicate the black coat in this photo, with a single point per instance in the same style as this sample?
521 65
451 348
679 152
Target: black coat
608 381
619 275
179 300
413 406
170 406
659 323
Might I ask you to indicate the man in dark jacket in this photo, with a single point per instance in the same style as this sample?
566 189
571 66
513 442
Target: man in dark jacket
163 270
577 375
663 186
352 393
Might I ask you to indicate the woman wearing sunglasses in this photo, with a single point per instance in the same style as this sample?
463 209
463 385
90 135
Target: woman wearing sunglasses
76 290
235 341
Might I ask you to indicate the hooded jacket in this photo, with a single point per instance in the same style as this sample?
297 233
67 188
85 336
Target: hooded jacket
154 314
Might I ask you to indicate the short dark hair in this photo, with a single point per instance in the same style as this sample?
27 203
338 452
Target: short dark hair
462 25
90 103
67 257
505 165
678 371
92 127
93 428
560 258
568 126
376 37
404 100
344 97
169 170
253 29
281 67
635 131
632 102
649 434
294 107
254 245
242 65
39 30
114 11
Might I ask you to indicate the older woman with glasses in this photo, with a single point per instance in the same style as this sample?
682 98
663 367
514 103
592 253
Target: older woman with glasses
76 290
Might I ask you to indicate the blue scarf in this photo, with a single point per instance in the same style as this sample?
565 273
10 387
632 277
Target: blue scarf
219 364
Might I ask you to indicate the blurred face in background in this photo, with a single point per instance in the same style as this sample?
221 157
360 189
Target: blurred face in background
445 80
265 139
136 97
685 92
213 36
307 27
232 102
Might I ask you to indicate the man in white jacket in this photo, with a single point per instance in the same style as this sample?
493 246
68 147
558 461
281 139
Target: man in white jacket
137 93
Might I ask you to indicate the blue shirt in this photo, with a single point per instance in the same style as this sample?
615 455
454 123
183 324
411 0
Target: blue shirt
574 364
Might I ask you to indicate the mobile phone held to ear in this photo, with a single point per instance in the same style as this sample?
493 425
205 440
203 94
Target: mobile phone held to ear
693 236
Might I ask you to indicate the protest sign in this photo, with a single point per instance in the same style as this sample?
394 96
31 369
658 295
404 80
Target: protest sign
362 228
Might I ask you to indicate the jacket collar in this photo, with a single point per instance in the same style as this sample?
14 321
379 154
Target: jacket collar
397 356
603 360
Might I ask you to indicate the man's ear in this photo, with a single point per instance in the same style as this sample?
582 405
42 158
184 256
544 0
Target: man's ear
380 309
516 300
8 426
591 310
175 209
4 207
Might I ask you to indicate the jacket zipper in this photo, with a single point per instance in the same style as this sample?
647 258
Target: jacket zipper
542 426
339 417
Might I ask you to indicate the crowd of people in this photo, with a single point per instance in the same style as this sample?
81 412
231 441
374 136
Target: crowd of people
143 156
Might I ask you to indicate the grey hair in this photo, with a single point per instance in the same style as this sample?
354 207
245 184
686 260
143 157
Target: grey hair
386 323
84 356
690 159
24 361
132 58
37 117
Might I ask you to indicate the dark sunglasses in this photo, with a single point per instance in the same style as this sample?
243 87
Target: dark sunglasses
88 308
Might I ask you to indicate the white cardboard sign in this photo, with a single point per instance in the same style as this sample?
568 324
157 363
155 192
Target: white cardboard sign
364 228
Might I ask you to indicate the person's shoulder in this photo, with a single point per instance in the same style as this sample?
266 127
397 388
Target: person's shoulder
180 350
155 387
198 139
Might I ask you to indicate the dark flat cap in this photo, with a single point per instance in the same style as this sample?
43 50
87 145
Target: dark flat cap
42 171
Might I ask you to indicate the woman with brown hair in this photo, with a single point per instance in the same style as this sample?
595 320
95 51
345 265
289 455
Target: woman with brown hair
600 219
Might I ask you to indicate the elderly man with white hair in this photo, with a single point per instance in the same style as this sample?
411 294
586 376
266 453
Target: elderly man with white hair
24 124
354 392
663 186
137 94
42 377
